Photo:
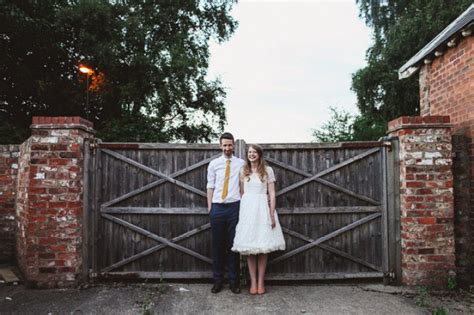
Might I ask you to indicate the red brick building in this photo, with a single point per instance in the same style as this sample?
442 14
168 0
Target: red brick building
446 75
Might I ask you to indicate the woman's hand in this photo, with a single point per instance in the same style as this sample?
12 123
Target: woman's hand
273 221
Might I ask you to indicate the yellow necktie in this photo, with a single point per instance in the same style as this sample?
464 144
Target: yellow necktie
225 190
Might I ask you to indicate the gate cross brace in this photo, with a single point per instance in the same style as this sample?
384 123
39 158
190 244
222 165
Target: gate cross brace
164 177
325 237
331 249
156 248
317 177
155 237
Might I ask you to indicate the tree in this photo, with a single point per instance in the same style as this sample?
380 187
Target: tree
338 128
368 129
400 29
150 61
342 126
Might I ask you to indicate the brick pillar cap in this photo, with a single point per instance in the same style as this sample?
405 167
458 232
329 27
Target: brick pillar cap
416 122
62 122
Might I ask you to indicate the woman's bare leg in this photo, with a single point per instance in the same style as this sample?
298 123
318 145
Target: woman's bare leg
252 263
262 266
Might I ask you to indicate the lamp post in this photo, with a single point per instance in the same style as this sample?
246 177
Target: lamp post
87 71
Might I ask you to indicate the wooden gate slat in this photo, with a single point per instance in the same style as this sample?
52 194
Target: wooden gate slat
347 191
327 171
349 161
319 180
156 248
156 237
326 237
158 182
331 249
204 211
158 274
322 276
155 172
154 210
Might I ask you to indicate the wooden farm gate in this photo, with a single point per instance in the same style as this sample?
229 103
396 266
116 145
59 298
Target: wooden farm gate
147 218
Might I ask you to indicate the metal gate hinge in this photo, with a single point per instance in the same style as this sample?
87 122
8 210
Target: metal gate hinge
93 145
388 144
391 274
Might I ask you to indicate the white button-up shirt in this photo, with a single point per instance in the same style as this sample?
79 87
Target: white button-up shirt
215 178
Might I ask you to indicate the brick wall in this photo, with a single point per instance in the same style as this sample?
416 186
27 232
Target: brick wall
447 88
462 211
447 85
50 201
8 175
426 199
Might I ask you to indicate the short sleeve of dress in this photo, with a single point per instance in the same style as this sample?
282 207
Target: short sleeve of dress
270 175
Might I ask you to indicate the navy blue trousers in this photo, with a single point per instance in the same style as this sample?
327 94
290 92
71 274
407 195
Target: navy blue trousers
224 218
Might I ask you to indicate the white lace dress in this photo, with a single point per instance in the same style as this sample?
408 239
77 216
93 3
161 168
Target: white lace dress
254 233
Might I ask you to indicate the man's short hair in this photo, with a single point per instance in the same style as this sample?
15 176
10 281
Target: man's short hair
226 135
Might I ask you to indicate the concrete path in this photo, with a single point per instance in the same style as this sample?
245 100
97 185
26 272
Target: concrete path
313 299
197 299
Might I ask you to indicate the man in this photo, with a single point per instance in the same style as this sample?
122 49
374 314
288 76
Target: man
223 200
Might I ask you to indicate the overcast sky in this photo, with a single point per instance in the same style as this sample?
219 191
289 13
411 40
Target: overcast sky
287 62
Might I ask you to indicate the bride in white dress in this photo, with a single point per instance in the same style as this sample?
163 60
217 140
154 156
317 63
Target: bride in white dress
258 231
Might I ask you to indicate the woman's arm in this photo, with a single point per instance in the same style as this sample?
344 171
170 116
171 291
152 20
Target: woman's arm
271 194
241 183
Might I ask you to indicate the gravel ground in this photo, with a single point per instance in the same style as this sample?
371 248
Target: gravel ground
186 298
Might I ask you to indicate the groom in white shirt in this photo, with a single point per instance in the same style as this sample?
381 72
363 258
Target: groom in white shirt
223 201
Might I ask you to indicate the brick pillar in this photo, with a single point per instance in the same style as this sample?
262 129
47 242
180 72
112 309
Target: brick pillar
426 199
49 201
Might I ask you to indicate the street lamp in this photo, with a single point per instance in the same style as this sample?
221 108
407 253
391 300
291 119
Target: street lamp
87 71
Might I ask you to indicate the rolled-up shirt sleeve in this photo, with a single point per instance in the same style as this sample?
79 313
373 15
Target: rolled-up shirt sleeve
211 176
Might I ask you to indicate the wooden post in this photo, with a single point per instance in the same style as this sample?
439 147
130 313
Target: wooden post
393 203
96 187
240 149
86 211
384 219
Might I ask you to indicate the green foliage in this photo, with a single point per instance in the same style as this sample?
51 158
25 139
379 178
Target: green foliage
400 29
440 310
147 305
452 283
338 128
343 126
9 134
423 297
150 61
366 128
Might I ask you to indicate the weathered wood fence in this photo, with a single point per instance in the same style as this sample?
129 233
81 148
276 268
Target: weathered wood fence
147 215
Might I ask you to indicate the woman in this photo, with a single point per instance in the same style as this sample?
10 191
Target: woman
258 231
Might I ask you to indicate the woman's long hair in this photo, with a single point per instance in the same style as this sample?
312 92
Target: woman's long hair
261 170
